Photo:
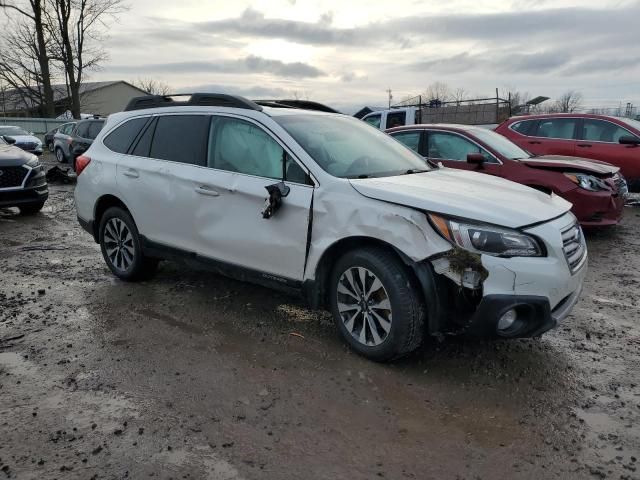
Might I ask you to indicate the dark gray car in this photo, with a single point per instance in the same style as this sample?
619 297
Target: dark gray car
62 142
23 182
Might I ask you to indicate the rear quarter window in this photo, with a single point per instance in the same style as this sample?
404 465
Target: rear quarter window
523 127
121 138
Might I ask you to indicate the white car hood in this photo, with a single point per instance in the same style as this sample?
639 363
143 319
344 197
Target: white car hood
458 193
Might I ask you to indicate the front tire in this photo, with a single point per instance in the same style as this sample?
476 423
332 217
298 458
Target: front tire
120 245
31 208
376 304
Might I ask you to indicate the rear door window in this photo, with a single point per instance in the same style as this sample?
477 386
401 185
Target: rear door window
396 119
82 130
181 138
561 128
122 137
374 120
94 129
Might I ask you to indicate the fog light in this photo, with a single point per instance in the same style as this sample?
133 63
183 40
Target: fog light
507 320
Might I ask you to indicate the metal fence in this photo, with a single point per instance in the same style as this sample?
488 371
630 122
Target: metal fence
39 126
477 111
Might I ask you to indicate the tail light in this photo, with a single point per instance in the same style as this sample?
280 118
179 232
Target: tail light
81 163
69 140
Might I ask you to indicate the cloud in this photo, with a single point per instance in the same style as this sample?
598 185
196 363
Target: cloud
249 64
509 61
249 92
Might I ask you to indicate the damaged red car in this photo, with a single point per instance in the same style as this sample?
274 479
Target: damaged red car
596 189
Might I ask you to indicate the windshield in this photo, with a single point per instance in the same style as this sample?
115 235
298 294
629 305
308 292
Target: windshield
12 131
631 122
346 147
500 144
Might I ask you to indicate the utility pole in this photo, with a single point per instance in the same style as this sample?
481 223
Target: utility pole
390 96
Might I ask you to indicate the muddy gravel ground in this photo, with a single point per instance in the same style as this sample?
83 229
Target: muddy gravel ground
195 376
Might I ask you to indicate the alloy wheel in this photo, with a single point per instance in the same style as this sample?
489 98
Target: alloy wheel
59 156
118 244
364 306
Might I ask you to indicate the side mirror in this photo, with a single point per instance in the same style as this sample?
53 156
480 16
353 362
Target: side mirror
629 140
476 159
9 140
272 204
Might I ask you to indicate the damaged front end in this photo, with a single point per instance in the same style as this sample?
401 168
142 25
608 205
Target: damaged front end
476 287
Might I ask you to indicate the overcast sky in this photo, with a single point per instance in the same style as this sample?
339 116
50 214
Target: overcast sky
348 52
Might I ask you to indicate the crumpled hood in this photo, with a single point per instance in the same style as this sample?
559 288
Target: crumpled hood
571 164
11 156
470 195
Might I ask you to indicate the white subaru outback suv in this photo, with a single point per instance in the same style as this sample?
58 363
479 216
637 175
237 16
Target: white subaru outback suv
325 205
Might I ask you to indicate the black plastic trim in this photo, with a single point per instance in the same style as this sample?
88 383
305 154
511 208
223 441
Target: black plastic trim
535 311
194 100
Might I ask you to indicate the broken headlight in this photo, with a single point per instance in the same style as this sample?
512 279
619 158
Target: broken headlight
34 162
588 182
487 239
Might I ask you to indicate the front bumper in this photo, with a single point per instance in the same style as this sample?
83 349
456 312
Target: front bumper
596 209
541 290
14 198
534 315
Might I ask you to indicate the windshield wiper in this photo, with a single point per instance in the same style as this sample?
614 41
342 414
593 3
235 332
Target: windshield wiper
415 170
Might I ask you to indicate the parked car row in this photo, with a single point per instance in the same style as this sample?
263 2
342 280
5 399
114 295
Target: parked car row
596 189
395 246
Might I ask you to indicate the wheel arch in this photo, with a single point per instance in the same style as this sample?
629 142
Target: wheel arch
102 205
317 291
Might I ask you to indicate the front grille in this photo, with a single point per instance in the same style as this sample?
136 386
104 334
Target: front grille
621 184
11 177
28 146
574 247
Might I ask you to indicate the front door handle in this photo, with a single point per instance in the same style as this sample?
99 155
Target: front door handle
584 145
535 142
208 191
131 173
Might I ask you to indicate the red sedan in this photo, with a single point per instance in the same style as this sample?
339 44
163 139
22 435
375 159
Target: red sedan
614 140
596 189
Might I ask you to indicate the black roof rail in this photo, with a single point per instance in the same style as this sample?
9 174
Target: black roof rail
303 104
193 100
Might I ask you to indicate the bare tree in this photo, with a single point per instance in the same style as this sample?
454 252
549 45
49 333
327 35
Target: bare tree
459 95
569 102
80 27
152 86
34 11
19 69
437 91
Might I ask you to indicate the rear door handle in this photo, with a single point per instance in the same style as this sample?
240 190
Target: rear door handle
208 191
131 173
584 145
535 142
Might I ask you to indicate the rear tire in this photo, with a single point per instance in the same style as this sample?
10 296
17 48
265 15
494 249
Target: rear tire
31 208
60 155
121 249
376 304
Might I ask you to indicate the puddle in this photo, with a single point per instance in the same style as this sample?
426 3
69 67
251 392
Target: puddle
16 365
171 321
